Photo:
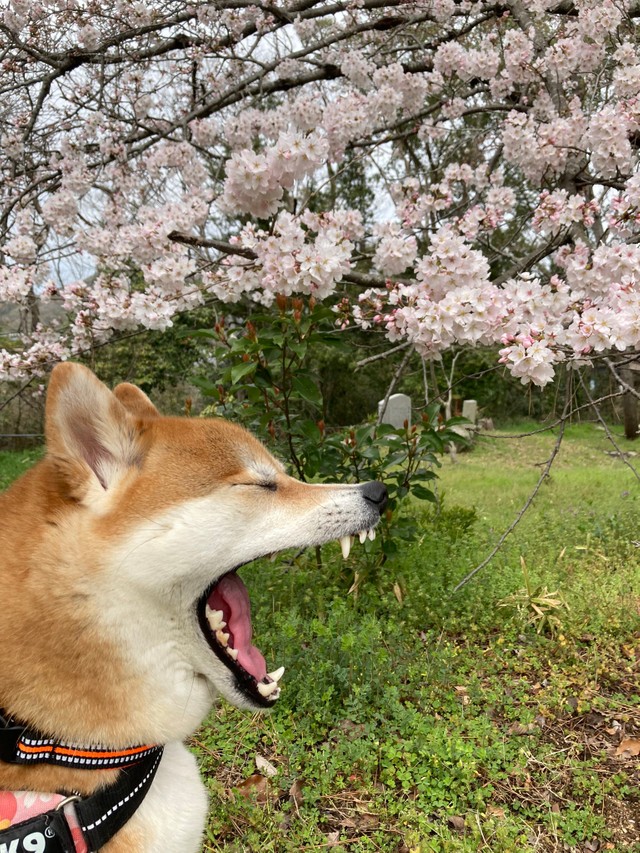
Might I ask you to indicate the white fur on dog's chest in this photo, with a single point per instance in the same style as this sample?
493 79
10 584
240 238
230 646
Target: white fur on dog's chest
174 811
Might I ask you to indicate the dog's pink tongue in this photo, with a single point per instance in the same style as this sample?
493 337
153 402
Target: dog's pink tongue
231 596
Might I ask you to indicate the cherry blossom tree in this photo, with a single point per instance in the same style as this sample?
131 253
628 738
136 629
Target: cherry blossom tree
158 155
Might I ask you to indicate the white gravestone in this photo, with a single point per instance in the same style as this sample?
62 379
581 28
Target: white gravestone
470 410
398 410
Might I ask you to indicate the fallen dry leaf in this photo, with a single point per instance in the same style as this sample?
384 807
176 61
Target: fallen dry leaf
265 767
456 822
295 792
255 786
521 728
398 592
495 811
630 745
353 589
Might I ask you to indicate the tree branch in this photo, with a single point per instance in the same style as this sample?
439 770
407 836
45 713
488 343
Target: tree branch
529 501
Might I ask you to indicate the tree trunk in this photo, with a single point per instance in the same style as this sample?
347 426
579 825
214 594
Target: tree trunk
629 404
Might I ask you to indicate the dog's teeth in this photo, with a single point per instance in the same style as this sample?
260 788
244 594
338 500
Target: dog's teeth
277 675
267 690
214 618
362 536
372 534
345 544
222 638
233 653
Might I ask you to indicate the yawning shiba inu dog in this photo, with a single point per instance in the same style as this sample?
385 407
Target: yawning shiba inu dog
122 616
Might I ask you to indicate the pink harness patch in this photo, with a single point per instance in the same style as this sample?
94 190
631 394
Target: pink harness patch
18 806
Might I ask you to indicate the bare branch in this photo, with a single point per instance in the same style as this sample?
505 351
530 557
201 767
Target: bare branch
381 355
605 426
527 504
394 381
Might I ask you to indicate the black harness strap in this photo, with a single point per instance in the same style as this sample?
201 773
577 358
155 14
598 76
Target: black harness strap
10 733
100 815
47 833
104 813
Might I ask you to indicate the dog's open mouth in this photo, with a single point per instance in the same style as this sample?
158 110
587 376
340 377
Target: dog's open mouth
224 615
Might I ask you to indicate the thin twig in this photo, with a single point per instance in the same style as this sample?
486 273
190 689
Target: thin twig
624 385
606 427
557 422
382 355
449 400
425 380
526 506
392 385
17 393
211 243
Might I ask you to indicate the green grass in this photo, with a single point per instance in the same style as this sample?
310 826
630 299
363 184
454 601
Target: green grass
447 723
15 463
413 719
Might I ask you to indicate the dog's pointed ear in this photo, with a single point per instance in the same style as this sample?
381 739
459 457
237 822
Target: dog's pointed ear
135 401
88 430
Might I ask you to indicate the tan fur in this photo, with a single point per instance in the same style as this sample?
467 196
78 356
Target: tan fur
128 840
183 459
128 505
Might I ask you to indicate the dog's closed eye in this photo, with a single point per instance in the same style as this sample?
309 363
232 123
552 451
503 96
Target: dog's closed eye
270 486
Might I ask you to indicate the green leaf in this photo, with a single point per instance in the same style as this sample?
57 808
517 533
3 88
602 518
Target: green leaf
423 493
197 333
240 370
298 348
306 388
208 388
432 412
329 339
310 430
254 394
263 378
424 474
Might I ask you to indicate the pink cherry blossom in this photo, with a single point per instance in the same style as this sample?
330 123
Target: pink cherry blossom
158 155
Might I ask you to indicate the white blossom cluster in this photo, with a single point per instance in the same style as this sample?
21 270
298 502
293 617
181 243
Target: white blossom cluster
308 255
181 154
256 182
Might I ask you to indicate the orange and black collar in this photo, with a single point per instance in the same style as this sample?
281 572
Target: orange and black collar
21 745
99 816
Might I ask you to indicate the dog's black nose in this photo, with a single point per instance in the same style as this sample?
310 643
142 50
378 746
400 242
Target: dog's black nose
376 493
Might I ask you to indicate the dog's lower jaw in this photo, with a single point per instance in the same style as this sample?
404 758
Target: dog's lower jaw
224 685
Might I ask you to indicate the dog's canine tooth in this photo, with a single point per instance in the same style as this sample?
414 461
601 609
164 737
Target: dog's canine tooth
214 618
345 544
222 638
267 689
233 653
372 534
277 675
362 535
